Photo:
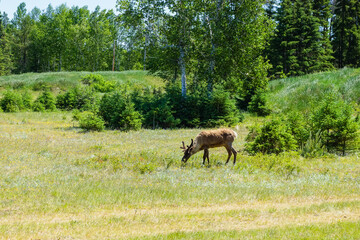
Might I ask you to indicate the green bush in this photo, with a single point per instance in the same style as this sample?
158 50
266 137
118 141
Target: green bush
119 112
12 102
38 107
155 109
313 147
27 100
98 83
82 98
273 137
257 104
47 100
90 121
299 127
335 121
200 108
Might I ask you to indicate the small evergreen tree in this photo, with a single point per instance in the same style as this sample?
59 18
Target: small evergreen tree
118 111
47 100
273 137
334 120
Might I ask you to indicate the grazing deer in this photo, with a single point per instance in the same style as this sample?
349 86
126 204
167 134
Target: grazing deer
210 139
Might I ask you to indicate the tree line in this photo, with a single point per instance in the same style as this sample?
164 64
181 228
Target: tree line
239 45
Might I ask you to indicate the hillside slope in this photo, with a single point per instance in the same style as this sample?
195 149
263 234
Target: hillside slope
303 93
65 80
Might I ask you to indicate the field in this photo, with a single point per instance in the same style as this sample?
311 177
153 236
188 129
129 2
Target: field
57 182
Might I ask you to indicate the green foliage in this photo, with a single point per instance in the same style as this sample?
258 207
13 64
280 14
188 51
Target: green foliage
155 109
169 109
200 109
299 46
334 119
98 83
313 147
258 104
299 127
346 33
47 100
273 137
12 102
27 99
90 121
331 127
284 164
82 98
118 111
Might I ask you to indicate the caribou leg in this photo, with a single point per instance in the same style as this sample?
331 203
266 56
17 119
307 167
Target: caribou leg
229 153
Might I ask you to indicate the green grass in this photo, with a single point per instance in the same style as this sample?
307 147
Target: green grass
340 230
305 92
65 80
59 182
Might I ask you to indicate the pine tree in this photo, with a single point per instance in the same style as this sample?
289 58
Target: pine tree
5 55
322 11
346 33
301 43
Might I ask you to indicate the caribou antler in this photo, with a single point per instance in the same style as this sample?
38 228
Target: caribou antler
183 146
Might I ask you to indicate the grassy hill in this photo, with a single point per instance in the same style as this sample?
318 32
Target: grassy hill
302 93
64 80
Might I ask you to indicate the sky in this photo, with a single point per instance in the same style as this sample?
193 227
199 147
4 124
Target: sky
10 6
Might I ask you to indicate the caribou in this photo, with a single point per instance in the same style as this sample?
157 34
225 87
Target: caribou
210 139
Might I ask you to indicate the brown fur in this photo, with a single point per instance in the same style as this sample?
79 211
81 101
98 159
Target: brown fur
211 139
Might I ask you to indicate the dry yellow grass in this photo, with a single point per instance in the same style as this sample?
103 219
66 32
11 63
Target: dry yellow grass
124 223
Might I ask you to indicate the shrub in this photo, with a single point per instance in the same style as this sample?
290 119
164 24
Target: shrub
82 98
130 119
273 137
46 99
200 108
12 102
98 83
299 127
155 109
334 120
38 107
257 104
27 100
118 111
313 147
89 121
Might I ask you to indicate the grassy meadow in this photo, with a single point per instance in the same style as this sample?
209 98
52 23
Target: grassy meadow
59 182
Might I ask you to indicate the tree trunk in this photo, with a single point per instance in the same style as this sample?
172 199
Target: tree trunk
183 70
113 63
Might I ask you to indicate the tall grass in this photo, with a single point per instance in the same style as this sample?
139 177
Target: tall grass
303 93
65 80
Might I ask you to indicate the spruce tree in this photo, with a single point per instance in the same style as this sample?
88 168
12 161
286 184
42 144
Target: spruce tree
301 43
346 33
5 55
